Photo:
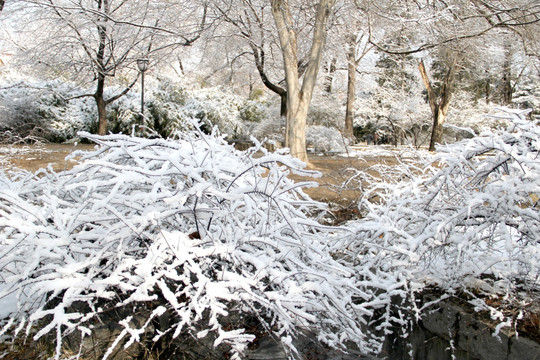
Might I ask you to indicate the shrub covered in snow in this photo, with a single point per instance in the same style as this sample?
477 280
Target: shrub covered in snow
326 110
169 108
189 230
471 223
324 139
52 111
40 111
233 115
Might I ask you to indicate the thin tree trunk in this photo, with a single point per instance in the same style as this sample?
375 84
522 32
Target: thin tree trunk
439 103
101 105
102 116
2 5
259 55
351 91
330 70
283 109
100 62
507 89
507 76
437 130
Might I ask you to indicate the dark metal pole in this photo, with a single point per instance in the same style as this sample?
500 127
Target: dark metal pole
142 64
142 98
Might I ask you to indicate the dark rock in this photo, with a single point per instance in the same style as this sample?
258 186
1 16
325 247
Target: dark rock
453 331
270 348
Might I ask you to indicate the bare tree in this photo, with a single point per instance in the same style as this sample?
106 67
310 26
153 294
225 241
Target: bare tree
426 26
438 102
357 48
101 39
352 64
249 20
299 93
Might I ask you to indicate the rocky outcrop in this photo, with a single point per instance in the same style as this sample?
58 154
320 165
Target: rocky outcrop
448 330
453 331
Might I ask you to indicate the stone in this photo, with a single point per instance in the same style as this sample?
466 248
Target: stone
270 348
522 348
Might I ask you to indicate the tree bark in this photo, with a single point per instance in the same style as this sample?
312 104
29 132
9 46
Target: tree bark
351 89
330 70
2 5
439 103
101 106
102 116
353 61
507 88
299 95
103 5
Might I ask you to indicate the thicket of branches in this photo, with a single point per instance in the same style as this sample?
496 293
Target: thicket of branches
467 223
189 229
195 232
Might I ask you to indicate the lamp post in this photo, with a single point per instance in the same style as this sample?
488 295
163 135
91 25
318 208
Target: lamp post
142 64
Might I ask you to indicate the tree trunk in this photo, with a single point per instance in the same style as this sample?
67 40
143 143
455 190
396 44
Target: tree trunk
2 5
296 119
437 131
330 70
439 103
299 96
102 116
101 105
507 89
507 76
283 109
100 62
351 91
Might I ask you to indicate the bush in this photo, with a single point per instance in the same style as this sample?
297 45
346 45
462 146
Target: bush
233 115
468 224
326 111
324 139
39 111
174 237
36 110
251 112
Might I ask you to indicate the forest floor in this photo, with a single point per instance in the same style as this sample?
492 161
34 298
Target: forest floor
35 157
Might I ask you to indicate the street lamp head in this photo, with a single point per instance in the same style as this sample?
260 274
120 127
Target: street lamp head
143 64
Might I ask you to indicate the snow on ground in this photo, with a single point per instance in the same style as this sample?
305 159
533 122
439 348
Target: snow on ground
8 304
